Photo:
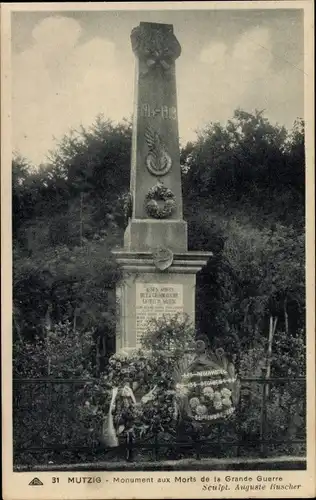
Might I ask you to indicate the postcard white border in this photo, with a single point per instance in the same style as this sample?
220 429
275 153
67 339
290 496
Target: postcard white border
15 483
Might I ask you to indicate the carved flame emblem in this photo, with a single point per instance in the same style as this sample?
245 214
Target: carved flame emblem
158 160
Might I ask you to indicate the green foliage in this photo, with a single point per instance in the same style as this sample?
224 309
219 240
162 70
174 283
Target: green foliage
240 198
248 163
259 273
64 225
243 189
267 268
289 355
76 284
124 369
62 352
61 413
87 172
173 335
145 374
152 373
73 415
253 360
35 193
96 159
285 411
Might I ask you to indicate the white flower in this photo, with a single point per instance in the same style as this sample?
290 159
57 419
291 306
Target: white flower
218 405
201 410
87 403
120 356
226 392
226 402
181 390
194 402
217 396
208 392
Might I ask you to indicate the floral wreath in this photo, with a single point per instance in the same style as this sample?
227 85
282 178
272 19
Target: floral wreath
154 407
211 394
160 193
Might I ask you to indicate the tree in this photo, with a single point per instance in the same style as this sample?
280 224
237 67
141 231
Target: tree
22 193
86 174
96 159
61 285
248 163
243 188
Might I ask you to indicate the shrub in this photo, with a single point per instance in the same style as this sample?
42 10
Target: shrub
74 414
63 284
62 353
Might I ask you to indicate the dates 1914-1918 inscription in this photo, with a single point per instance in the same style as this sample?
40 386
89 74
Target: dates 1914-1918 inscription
167 113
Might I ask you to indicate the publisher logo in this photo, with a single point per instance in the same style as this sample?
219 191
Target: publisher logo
36 482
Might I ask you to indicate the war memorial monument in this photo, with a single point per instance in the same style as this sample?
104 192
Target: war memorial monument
159 271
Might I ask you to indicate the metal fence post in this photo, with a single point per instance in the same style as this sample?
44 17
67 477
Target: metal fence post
263 417
238 425
156 446
49 390
197 441
129 446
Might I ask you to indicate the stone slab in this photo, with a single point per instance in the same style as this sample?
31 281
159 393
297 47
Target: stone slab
135 308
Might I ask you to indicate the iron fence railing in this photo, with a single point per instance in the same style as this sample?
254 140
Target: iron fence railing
270 419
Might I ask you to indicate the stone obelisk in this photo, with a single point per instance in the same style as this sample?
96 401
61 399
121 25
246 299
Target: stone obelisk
159 272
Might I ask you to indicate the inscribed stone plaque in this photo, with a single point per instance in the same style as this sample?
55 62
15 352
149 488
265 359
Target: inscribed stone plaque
155 300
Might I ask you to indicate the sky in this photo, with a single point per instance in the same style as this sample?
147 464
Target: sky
68 67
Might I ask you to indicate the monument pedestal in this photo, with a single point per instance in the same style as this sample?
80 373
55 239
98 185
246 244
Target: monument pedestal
148 293
147 234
